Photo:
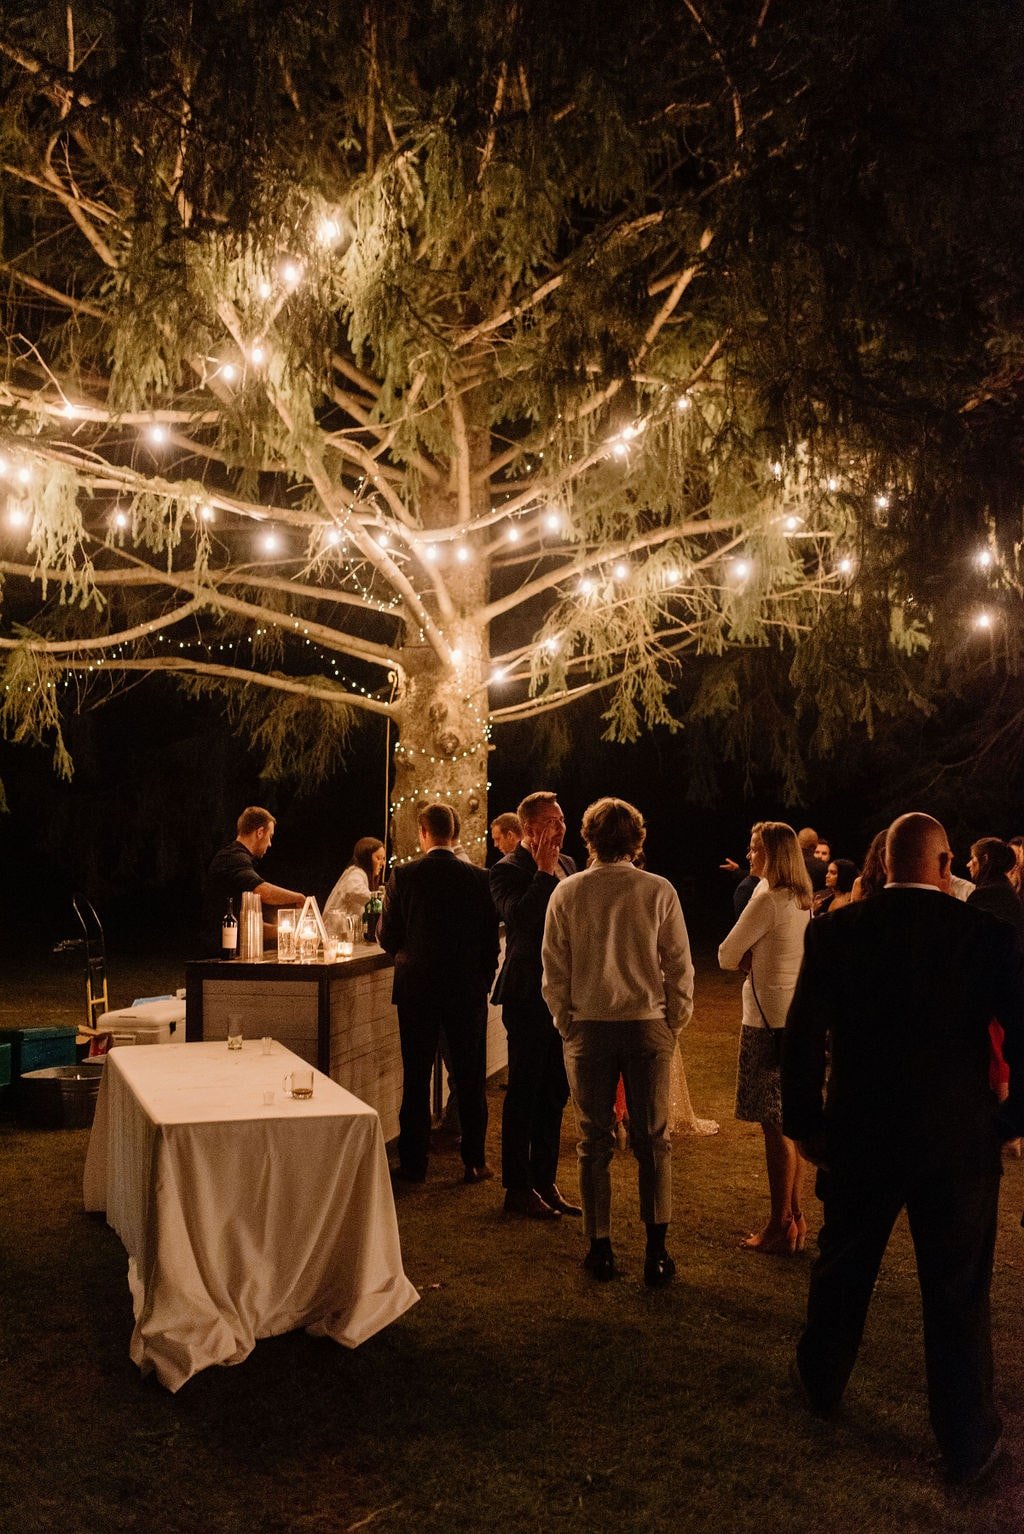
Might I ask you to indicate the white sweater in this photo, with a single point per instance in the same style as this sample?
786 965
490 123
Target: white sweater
771 929
616 949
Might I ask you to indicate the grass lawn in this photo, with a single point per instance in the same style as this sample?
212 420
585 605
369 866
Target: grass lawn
516 1395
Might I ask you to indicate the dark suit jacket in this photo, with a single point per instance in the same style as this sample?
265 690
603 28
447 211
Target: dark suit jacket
521 893
901 989
1000 899
440 924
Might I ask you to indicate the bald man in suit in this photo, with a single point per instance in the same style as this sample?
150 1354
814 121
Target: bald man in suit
896 994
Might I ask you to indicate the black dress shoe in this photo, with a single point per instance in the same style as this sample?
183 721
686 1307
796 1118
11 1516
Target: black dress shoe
659 1271
477 1174
527 1201
600 1265
970 1473
552 1196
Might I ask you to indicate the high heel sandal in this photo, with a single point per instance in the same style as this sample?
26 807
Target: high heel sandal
782 1245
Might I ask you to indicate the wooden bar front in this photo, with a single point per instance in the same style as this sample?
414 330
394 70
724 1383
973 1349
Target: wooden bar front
337 1016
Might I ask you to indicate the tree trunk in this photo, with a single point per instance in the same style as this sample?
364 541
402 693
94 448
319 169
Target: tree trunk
442 747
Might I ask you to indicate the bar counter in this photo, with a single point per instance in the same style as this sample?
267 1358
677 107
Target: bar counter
339 1017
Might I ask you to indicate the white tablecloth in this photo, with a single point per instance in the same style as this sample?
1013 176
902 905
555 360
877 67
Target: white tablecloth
241 1220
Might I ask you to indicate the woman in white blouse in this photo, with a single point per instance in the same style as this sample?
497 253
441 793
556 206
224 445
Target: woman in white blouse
363 875
767 943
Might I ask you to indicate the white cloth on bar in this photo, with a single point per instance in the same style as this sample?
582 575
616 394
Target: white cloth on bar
241 1220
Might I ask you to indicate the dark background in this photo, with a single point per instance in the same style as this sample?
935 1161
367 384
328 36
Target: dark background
159 782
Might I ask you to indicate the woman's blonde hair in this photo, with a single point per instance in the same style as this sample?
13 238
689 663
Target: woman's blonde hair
784 866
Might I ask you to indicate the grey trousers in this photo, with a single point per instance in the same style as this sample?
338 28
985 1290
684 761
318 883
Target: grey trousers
596 1054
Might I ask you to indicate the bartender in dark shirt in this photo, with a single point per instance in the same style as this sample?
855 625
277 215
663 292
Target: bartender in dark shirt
233 872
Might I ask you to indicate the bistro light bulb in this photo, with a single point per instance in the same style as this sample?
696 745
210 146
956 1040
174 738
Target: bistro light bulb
513 535
621 572
206 512
553 521
881 503
983 621
430 553
229 372
741 569
683 402
586 587
832 484
257 354
333 535
456 656
157 435
291 274
328 231
776 470
270 543
791 524
671 575
69 410
264 289
120 520
619 449
462 554
17 516
498 674
983 560
24 475
383 540
845 565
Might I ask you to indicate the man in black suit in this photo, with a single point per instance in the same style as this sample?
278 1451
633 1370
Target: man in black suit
538 1089
440 924
900 989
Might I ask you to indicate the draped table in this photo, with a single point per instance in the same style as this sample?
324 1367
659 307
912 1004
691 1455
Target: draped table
241 1219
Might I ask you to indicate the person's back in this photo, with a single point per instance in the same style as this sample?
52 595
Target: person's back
909 1033
449 926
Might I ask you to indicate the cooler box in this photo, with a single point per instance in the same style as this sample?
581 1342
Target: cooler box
148 1022
5 1073
33 1049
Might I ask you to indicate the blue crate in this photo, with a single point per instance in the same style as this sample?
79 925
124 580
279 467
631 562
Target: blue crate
33 1049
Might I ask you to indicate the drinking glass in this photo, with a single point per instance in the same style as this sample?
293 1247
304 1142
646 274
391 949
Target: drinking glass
235 1030
299 1083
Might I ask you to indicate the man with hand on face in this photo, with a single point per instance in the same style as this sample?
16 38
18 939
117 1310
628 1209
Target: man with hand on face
538 1089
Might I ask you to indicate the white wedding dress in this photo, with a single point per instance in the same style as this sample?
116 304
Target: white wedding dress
681 1118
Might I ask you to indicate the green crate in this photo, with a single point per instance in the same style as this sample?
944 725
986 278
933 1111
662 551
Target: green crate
33 1049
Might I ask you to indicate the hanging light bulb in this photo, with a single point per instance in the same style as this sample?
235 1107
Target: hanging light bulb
328 231
291 275
207 512
741 569
333 536
684 402
430 553
24 475
17 516
621 571
257 354
832 484
845 565
791 524
270 543
513 535
983 620
158 435
462 554
120 520
983 559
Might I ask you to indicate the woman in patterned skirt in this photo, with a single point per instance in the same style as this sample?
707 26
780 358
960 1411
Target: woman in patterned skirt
767 943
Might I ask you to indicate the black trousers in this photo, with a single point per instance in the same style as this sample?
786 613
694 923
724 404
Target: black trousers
952 1217
538 1090
419 1027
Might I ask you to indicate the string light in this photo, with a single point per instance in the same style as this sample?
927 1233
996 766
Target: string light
257 354
621 571
24 475
264 289
881 503
684 402
157 434
741 569
983 559
430 553
845 565
983 620
513 535
462 554
832 485
328 231
229 372
17 516
291 275
270 542
207 512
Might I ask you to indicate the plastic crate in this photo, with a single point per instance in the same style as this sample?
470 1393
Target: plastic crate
34 1049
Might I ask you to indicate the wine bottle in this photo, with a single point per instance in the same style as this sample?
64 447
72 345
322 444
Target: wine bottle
229 932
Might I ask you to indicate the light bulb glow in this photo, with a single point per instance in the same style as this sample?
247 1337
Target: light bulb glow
17 516
24 475
498 674
328 231
430 553
621 571
257 354
586 587
983 559
69 410
120 520
881 503
671 576
776 470
264 289
513 535
462 554
229 372
741 569
553 521
619 449
457 656
207 512
157 435
832 485
333 536
983 621
791 524
291 275
845 565
270 543
684 402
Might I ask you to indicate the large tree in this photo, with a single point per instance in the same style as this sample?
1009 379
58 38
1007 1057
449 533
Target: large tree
449 362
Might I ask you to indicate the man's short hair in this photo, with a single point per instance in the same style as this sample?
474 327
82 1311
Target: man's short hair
613 829
534 805
437 821
808 839
254 819
507 822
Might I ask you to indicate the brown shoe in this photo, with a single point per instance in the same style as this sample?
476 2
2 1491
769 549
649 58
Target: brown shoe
528 1202
552 1196
477 1174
